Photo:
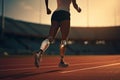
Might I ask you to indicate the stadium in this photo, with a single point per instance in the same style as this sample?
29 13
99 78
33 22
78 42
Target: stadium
28 36
93 47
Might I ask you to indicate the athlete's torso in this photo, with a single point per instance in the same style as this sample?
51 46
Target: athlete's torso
63 5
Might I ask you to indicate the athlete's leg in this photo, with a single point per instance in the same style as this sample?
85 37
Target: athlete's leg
65 26
45 44
52 33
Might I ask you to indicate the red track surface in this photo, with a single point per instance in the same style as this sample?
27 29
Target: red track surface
80 68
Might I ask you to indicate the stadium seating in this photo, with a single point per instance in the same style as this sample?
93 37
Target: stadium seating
24 38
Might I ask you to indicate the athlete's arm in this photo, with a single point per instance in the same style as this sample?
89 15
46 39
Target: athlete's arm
76 6
48 10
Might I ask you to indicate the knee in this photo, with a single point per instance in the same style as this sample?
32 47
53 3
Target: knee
63 43
51 39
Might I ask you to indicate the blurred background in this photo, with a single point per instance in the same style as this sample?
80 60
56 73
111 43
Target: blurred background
24 24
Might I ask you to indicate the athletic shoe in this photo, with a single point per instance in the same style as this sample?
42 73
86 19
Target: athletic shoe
37 56
62 64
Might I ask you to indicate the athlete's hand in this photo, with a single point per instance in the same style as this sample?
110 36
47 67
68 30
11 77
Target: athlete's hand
79 9
48 11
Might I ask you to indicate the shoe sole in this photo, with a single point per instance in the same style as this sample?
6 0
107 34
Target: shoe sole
63 65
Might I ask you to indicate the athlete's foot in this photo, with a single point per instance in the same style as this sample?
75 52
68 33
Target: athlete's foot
37 57
62 64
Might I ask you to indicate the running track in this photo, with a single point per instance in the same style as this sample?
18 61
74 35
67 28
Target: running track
104 67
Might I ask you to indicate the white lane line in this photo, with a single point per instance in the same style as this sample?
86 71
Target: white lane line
89 68
15 64
24 64
3 65
42 67
31 68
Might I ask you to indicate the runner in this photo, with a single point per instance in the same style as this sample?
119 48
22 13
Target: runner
60 19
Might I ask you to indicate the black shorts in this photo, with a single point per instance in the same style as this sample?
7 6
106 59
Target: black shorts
60 16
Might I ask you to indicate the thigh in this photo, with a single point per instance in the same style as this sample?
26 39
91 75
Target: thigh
53 29
64 28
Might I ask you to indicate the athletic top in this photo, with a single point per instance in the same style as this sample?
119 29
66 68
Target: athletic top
63 5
